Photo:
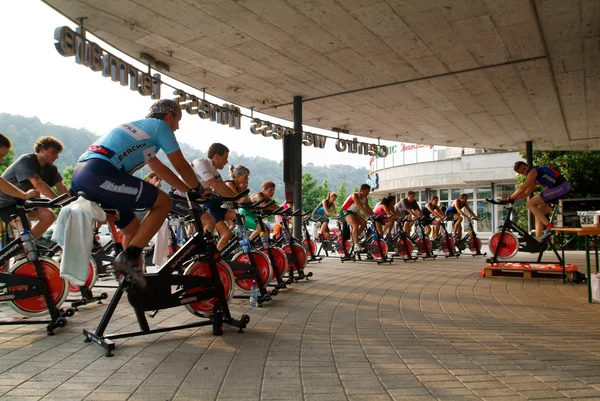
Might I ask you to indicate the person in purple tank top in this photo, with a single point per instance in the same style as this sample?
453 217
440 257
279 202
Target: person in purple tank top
556 185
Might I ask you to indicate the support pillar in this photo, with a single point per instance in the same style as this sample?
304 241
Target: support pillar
292 165
297 165
529 156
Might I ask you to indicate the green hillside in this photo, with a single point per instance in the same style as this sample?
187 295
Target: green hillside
23 132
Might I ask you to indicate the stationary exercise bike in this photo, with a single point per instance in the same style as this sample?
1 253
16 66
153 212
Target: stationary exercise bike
512 239
292 246
248 265
470 241
33 286
422 242
204 288
444 241
376 248
308 243
400 244
343 247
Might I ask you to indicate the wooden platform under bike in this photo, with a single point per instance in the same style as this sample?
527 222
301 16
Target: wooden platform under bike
529 270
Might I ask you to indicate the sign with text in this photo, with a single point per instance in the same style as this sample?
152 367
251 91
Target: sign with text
70 43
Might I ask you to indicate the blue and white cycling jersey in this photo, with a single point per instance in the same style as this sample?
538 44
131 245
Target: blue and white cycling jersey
131 146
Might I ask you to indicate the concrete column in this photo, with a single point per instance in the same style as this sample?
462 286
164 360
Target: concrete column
529 155
297 166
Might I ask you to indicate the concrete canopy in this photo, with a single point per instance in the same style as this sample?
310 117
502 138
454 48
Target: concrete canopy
472 73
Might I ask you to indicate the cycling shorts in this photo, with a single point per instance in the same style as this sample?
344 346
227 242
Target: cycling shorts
214 208
114 188
321 218
558 192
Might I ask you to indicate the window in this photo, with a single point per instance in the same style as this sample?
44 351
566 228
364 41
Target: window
454 193
423 198
503 190
484 210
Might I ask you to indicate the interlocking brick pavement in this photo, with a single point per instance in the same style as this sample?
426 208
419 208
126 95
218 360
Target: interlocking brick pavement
425 330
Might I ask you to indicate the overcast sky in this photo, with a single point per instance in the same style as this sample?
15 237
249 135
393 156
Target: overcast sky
37 81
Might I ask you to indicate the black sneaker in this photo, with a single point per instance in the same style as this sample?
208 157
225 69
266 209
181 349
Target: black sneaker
133 269
579 277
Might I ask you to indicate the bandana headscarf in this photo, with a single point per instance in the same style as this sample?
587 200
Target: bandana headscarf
165 106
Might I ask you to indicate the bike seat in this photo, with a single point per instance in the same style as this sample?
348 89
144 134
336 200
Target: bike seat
109 210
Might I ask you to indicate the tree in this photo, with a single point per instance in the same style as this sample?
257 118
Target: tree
342 196
325 190
311 192
580 169
8 159
68 176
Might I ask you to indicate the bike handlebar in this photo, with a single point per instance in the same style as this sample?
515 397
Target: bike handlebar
500 202
49 203
197 197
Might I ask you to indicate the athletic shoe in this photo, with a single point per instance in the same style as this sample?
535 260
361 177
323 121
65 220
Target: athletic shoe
133 269
547 234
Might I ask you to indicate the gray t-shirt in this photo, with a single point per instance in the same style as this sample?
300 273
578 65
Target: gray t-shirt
21 170
404 205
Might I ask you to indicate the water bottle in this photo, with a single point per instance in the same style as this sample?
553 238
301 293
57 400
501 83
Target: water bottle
375 235
286 234
29 246
264 239
243 238
254 294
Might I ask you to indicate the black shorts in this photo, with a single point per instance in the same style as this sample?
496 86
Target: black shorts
214 208
8 211
113 188
321 218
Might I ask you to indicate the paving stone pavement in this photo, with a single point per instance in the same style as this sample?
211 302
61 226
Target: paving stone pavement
425 330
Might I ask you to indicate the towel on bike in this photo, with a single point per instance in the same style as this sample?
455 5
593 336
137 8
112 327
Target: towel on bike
74 233
161 244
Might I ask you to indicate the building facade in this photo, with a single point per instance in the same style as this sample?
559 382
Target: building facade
447 172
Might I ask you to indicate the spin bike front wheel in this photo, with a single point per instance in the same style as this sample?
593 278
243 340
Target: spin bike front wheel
310 246
342 247
280 266
509 246
74 290
447 245
375 249
57 287
300 253
205 307
423 246
262 263
474 245
405 249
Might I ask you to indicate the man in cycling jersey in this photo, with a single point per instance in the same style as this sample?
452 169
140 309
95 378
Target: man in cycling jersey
207 171
409 208
5 186
357 202
455 212
557 187
35 171
105 172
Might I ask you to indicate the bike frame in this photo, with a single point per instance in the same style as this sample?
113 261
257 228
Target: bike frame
509 225
200 246
35 286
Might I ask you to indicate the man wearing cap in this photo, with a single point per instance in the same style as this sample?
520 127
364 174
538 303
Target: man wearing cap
105 171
